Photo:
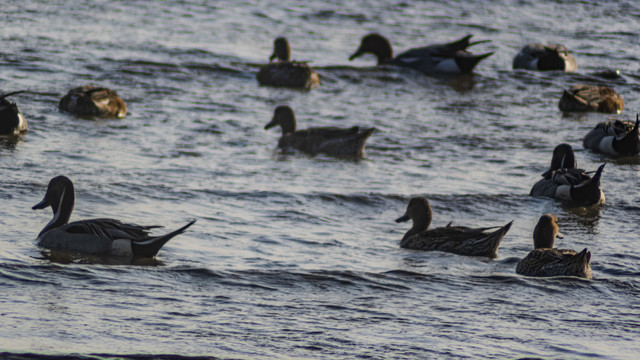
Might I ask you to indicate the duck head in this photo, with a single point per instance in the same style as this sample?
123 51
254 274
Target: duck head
545 232
563 157
630 143
611 102
11 120
589 192
281 50
556 57
419 211
60 196
377 45
283 116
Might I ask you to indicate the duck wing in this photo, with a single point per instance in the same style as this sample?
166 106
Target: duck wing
548 185
555 262
328 140
109 229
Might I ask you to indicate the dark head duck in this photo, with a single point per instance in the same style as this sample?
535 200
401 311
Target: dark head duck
284 72
340 142
441 58
545 57
614 137
545 260
90 101
460 240
95 236
585 98
12 122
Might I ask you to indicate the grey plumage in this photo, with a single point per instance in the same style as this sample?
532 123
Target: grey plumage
545 57
614 137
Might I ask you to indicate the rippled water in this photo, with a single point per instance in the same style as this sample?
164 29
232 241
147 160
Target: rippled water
294 256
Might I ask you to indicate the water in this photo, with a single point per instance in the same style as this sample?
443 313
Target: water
298 257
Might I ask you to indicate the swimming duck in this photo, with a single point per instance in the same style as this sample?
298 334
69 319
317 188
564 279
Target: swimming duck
285 72
11 120
545 57
333 141
544 260
583 98
441 58
95 236
564 181
614 137
89 100
459 240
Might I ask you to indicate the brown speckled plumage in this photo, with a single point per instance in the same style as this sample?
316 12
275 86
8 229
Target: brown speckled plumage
89 100
585 98
284 72
460 240
544 260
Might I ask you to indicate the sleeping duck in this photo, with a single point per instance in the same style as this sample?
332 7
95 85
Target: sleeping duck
333 141
545 57
92 100
285 72
96 236
584 98
11 120
441 58
564 181
614 137
545 260
459 240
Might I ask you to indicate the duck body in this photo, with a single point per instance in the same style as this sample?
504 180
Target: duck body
95 236
287 73
12 122
614 137
340 142
545 260
452 57
545 57
589 98
459 240
90 101
564 181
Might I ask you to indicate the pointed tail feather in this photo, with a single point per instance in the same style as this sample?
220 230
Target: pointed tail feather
11 93
467 63
151 246
490 244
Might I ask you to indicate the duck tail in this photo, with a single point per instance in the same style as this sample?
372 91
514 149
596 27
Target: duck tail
578 264
478 42
151 246
491 242
468 62
461 43
3 96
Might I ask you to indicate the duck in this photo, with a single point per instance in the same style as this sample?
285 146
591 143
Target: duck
12 122
614 137
284 72
586 98
95 236
452 57
545 57
459 240
564 181
545 260
339 142
91 100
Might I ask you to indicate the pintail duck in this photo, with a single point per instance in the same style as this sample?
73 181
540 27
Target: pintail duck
459 240
545 57
11 120
614 137
285 72
333 141
544 260
584 98
95 236
92 100
440 58
564 181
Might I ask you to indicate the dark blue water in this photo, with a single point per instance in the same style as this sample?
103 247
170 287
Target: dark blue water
295 256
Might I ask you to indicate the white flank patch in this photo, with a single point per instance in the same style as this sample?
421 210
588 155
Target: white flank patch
121 247
606 145
563 192
448 65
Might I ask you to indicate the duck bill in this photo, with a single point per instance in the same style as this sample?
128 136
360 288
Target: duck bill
403 218
273 56
41 205
271 124
355 55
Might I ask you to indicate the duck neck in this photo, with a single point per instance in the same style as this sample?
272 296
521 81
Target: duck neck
61 211
421 218
288 124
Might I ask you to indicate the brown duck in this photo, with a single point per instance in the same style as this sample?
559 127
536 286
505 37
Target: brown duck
544 260
92 101
459 240
586 98
284 72
341 142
